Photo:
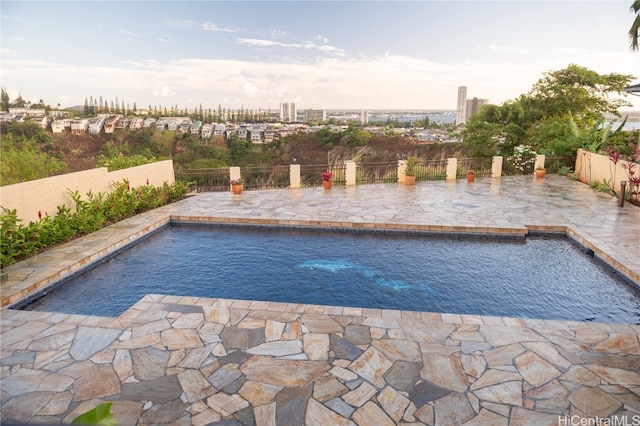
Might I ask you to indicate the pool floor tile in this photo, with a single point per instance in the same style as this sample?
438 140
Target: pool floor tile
186 360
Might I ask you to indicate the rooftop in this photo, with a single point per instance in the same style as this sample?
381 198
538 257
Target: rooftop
173 359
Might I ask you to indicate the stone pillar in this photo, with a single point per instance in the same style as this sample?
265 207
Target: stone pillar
234 173
539 162
496 166
452 168
350 172
294 176
402 167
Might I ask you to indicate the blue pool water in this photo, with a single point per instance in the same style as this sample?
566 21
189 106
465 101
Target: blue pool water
533 277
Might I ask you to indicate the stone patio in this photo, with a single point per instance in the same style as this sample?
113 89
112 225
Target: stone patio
185 360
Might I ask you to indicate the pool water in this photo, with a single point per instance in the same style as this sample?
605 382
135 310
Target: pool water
532 277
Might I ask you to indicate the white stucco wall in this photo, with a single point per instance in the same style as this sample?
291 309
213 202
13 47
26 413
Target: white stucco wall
45 195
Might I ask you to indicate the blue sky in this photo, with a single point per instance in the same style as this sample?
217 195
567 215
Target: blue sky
331 54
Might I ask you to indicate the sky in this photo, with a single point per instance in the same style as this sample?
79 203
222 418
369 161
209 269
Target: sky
321 55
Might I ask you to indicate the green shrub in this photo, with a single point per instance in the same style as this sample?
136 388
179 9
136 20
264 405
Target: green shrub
19 241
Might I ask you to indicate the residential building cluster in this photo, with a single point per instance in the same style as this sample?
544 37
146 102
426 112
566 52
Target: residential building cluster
291 121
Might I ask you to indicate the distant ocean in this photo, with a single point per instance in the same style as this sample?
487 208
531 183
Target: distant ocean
442 118
629 125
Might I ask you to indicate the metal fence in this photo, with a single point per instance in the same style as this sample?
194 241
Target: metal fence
482 167
553 164
266 177
311 175
204 180
432 170
377 173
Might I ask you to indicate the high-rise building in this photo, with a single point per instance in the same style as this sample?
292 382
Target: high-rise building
461 110
288 112
364 117
473 105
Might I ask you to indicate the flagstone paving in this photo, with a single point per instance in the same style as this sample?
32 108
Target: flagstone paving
186 360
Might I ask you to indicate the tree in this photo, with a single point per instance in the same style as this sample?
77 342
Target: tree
541 118
21 158
19 102
4 100
635 26
355 136
580 91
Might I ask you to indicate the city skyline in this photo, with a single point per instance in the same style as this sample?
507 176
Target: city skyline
318 55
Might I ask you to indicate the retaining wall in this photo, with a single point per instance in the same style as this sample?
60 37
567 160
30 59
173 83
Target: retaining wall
45 195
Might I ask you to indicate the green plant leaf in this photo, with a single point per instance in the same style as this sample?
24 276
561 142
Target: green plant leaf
100 415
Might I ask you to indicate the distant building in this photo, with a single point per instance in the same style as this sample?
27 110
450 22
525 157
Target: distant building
79 126
288 112
317 115
256 133
60 126
364 117
110 124
95 125
473 105
461 109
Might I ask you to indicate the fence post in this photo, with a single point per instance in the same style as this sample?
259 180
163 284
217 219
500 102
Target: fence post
234 173
539 162
452 168
402 167
294 176
350 172
496 166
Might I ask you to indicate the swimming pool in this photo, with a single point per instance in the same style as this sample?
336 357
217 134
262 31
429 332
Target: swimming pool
533 277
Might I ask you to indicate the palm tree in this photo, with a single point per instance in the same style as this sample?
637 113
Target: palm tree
635 27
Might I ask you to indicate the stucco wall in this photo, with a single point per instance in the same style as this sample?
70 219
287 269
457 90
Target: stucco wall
596 167
47 194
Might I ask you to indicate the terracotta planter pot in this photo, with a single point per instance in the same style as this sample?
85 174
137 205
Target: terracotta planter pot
327 184
409 180
471 176
237 189
540 172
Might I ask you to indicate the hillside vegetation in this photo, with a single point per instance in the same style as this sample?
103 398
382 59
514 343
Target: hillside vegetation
29 152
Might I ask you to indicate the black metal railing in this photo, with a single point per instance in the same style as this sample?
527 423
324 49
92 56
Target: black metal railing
204 180
377 172
482 167
266 177
432 170
553 164
311 175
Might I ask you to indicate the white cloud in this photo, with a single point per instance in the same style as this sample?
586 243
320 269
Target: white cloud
305 46
320 38
13 18
182 24
209 26
126 32
383 81
249 89
20 39
278 33
164 91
